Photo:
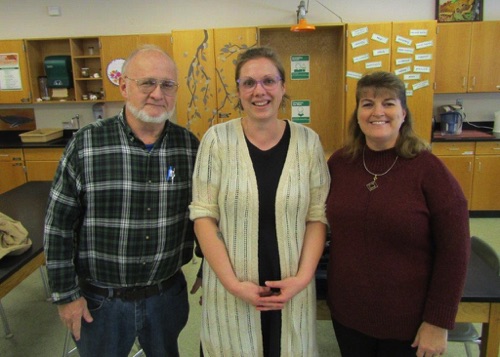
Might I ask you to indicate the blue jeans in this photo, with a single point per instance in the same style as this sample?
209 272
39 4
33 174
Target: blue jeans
156 321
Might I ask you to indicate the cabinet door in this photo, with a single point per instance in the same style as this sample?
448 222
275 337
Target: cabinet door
484 69
115 48
13 53
486 193
13 175
161 40
368 49
228 43
452 57
413 60
41 164
196 98
462 169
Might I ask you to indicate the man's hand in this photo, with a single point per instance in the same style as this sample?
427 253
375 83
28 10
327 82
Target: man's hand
71 315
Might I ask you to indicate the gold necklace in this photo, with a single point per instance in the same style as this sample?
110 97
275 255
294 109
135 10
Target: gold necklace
373 184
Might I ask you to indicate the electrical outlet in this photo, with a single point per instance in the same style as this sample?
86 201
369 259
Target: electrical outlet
460 102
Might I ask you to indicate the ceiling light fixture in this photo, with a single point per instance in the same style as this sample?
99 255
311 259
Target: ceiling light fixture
302 25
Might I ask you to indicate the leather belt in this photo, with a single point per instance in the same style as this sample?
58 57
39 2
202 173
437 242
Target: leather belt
130 294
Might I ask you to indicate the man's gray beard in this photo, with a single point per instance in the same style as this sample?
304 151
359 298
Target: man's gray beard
145 118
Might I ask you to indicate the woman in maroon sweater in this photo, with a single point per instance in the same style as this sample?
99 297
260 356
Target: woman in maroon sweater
400 232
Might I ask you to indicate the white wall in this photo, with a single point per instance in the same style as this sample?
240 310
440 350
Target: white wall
29 19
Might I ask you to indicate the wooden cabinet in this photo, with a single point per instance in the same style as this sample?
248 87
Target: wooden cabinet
413 60
368 49
205 61
115 48
466 59
404 48
486 184
459 159
12 53
476 166
85 53
41 163
12 169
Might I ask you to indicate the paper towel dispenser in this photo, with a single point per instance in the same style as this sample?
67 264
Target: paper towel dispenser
58 71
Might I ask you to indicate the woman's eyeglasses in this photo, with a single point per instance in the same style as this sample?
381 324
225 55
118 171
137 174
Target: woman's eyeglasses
148 85
248 83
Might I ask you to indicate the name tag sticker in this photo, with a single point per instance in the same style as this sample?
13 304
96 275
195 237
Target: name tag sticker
361 58
420 85
411 77
415 32
379 38
422 69
381 52
360 43
425 44
406 50
355 75
373 64
359 32
403 40
402 70
423 57
401 61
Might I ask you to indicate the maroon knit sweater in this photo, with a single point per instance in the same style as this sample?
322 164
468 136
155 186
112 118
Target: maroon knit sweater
399 253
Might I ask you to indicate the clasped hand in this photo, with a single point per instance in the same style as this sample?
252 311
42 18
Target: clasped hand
273 296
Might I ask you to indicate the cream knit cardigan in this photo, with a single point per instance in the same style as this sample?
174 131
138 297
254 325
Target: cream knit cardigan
225 188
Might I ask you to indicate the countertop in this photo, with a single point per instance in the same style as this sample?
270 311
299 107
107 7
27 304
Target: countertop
479 131
11 140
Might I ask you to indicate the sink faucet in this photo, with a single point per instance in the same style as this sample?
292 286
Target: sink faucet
76 119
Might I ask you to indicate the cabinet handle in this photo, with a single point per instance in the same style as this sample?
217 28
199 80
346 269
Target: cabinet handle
498 87
473 82
480 167
453 149
464 82
4 155
470 167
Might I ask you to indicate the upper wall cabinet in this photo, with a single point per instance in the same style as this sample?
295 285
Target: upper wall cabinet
115 49
413 59
467 59
14 82
404 48
368 49
205 61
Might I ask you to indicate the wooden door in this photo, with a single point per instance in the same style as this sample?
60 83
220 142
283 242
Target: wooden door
413 60
452 57
325 87
368 49
196 99
228 44
113 49
13 53
484 67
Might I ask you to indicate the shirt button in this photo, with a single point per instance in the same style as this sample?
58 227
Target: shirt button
149 209
147 237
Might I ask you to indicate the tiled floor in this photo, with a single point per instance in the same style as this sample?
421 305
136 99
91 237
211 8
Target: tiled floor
39 333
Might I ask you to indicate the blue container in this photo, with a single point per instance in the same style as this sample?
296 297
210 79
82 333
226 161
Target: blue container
451 123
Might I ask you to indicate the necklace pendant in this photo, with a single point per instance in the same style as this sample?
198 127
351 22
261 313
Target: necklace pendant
371 185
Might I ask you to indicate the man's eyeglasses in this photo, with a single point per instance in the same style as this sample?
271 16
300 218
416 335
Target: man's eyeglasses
147 85
248 83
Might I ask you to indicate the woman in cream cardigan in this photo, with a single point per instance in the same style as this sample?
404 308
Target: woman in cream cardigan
259 191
